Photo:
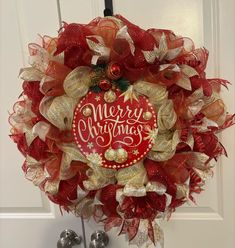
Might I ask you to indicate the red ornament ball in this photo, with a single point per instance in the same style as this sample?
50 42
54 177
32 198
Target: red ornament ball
105 84
114 71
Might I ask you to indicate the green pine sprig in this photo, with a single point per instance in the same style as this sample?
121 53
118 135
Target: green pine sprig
122 84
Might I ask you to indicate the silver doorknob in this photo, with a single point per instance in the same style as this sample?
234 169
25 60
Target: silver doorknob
99 239
68 239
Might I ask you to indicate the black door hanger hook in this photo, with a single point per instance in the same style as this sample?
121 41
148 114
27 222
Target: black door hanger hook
108 11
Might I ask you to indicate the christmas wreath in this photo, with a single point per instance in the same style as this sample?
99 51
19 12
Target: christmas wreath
119 123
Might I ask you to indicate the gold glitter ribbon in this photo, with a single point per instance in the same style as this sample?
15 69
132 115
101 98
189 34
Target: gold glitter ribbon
164 146
31 74
157 94
70 153
135 182
77 82
167 116
198 160
204 174
58 111
52 186
98 177
134 175
182 190
84 208
141 190
32 162
36 174
41 129
188 70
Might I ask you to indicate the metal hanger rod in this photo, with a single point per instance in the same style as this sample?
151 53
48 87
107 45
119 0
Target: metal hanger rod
83 232
59 13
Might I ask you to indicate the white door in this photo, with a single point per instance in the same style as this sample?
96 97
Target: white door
27 219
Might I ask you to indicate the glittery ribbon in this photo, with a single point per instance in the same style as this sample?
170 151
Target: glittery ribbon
52 186
70 153
167 116
162 52
157 94
133 179
41 129
98 177
85 206
20 119
99 48
58 111
41 56
36 174
164 146
31 74
148 229
77 82
123 34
